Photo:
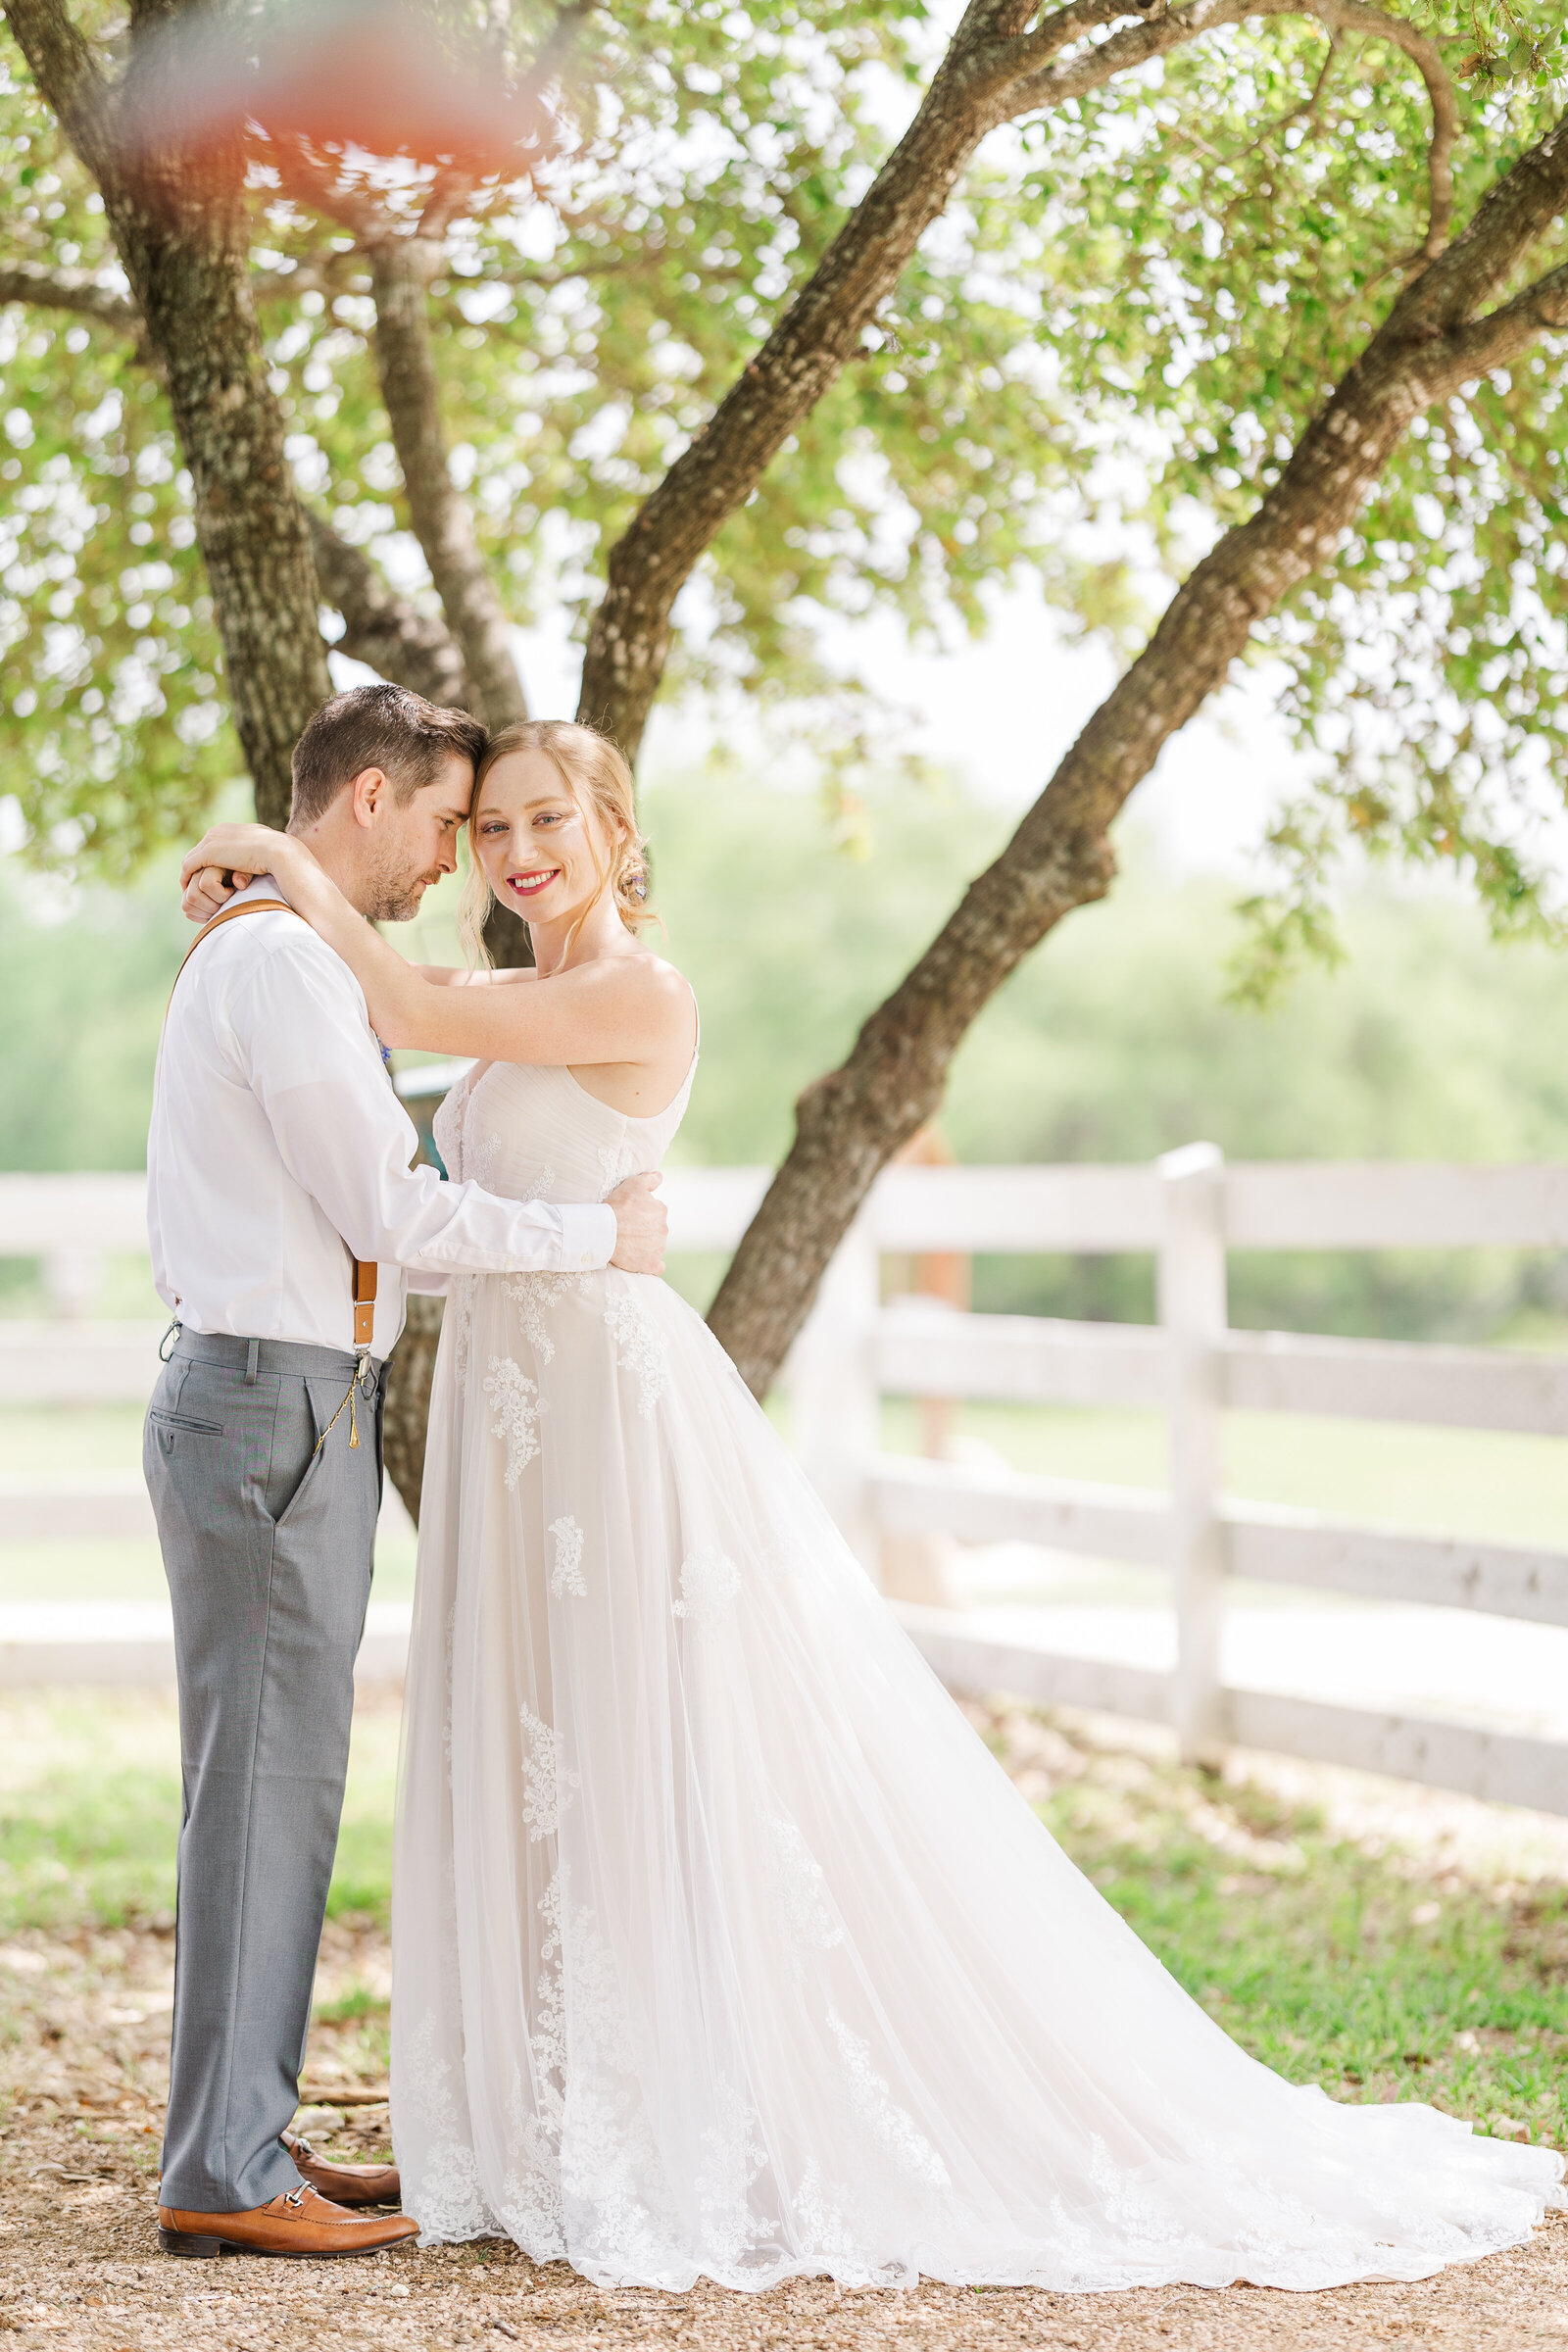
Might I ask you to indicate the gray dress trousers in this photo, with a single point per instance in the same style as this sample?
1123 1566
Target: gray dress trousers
268 1544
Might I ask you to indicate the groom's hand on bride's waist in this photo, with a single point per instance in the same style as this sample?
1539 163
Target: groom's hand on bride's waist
642 1225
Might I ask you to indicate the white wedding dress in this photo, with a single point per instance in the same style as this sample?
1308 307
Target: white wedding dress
721 1945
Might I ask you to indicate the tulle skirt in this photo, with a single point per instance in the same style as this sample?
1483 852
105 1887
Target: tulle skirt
722 1947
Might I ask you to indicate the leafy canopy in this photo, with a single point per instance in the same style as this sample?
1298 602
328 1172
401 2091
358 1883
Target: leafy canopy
1110 341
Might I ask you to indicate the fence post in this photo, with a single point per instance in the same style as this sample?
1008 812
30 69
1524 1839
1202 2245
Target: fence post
833 1389
1193 1310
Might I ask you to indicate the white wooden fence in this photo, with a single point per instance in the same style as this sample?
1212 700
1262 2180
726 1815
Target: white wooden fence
1189 1209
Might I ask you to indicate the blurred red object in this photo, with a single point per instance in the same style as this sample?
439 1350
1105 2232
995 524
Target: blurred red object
365 75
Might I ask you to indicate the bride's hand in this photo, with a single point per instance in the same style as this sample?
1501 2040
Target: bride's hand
229 858
248 849
208 893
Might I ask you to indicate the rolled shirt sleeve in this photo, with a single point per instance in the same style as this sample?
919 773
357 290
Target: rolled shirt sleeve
299 1025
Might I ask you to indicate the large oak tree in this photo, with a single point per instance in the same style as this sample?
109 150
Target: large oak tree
1278 282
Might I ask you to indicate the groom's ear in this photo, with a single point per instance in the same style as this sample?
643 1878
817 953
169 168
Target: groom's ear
366 794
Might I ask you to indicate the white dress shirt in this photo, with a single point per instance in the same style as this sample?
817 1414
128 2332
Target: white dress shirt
278 1151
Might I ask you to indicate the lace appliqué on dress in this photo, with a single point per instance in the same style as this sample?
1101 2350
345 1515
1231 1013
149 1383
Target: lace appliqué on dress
708 1583
566 1575
613 2179
533 1294
639 1349
461 1297
531 2190
518 1405
892 2125
616 1161
821 2215
548 1788
461 1302
452 2203
479 1159
731 2162
801 1887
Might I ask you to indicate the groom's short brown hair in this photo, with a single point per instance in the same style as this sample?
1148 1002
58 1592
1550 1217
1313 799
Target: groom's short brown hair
378 726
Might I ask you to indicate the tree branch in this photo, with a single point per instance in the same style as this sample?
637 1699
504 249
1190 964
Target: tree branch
64 67
1038 49
849 1124
78 290
1508 223
50 289
442 518
381 628
1493 341
991 74
1347 15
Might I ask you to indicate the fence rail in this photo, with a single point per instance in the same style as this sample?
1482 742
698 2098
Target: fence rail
1189 1209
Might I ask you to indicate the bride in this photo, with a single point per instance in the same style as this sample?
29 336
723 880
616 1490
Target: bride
721 1945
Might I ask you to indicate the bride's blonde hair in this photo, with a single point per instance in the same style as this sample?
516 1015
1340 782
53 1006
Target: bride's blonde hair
597 777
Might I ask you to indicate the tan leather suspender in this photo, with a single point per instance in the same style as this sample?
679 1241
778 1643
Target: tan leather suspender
364 1268
229 914
363 1301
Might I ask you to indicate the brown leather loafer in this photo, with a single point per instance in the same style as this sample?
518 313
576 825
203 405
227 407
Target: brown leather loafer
344 2184
301 2225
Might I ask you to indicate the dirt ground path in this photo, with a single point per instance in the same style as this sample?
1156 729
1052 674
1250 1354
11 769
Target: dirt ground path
79 2267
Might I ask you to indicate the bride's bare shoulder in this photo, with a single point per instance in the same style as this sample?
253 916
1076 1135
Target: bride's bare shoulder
660 988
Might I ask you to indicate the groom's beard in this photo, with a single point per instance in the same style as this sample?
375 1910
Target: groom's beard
394 895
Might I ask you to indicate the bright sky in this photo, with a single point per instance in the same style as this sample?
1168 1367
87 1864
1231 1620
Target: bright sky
1001 713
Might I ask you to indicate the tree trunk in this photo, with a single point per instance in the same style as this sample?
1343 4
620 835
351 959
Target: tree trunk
191 281
443 521
409 1370
850 1123
381 628
184 242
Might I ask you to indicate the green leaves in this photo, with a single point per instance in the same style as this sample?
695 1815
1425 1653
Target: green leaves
113 730
1104 354
1511 46
1214 252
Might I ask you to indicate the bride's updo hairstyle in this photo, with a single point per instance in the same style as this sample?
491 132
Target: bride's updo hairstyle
598 779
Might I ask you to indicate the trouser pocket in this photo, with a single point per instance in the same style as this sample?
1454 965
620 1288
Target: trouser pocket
296 1455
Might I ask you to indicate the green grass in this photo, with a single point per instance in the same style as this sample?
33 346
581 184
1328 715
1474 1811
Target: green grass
350 2007
1332 1963
89 1813
1350 1961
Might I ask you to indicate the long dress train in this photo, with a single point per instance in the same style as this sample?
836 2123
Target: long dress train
721 1947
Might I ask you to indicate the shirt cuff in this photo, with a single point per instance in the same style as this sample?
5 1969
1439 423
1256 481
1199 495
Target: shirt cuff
587 1237
429 1284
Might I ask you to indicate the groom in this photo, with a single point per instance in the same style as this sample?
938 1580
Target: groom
285 1222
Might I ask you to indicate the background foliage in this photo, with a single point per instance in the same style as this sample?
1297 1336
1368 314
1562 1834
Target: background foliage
1102 355
1116 1044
